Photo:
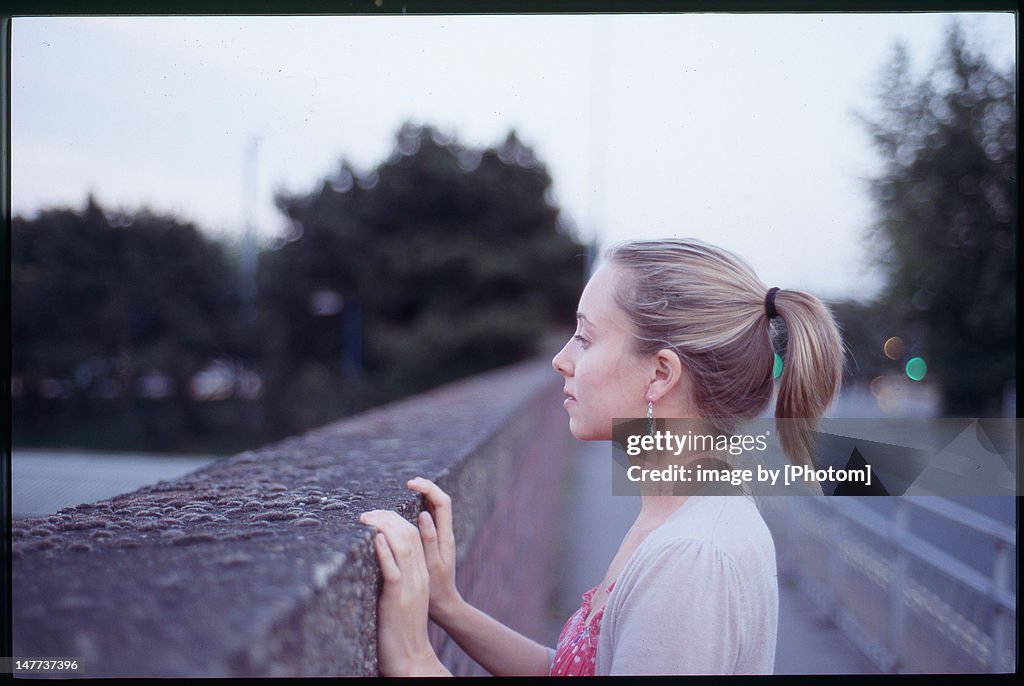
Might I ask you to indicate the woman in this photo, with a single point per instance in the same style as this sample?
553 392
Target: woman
671 328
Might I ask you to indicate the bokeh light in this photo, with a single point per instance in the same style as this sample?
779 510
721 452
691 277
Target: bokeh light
893 348
916 368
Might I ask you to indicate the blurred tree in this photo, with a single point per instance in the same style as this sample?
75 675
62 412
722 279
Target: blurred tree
947 210
443 261
865 327
115 308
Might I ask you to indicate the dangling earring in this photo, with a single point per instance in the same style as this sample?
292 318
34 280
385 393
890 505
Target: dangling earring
650 417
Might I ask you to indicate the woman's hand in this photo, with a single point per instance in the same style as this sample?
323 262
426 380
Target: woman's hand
438 547
410 589
403 648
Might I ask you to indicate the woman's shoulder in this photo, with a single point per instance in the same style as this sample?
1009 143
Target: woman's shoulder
717 519
729 529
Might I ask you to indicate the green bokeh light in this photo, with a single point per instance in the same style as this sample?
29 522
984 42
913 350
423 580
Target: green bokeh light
777 367
916 368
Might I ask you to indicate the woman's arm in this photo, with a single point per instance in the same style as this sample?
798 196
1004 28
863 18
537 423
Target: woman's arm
497 648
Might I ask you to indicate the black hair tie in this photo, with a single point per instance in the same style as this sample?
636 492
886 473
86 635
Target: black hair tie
769 303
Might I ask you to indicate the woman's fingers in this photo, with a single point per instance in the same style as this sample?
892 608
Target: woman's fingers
436 498
388 567
390 523
428 534
402 539
427 531
440 505
438 543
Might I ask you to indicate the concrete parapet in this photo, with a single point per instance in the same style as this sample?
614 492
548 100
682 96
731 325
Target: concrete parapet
257 565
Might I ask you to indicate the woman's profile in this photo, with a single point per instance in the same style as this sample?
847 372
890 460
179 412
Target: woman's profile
668 329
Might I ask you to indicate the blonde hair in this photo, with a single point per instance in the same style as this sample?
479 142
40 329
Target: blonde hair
708 305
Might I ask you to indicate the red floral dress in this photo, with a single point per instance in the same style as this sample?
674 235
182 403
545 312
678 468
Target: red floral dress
577 644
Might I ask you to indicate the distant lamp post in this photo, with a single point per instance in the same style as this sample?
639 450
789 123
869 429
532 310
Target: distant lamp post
327 302
352 325
248 250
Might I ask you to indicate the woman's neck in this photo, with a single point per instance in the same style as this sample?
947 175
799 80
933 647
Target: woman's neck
655 509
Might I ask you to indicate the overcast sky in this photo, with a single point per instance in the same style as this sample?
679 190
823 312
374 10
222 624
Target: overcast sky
737 129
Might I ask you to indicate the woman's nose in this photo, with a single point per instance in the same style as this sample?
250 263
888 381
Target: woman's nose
561 361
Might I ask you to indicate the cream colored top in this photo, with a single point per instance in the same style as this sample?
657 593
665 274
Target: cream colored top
699 596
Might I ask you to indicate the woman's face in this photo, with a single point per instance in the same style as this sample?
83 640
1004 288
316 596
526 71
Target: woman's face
604 378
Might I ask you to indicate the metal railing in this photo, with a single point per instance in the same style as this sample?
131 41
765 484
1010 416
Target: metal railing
907 603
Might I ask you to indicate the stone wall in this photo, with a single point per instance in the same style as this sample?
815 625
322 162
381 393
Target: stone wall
257 565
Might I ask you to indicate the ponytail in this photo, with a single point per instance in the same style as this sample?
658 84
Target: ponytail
812 371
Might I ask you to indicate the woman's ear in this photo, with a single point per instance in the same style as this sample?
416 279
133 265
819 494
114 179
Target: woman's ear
670 376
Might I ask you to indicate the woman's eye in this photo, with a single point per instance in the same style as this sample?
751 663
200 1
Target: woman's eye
583 341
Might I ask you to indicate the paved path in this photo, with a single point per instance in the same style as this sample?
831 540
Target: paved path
44 481
595 522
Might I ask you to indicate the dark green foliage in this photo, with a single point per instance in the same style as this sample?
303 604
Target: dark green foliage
442 262
83 287
99 302
448 261
947 211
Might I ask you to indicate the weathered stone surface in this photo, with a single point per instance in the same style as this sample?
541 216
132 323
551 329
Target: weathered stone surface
257 564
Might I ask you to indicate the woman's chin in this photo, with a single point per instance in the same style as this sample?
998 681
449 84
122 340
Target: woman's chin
576 430
585 433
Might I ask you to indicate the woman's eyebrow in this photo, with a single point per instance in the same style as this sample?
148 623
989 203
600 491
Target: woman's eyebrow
580 315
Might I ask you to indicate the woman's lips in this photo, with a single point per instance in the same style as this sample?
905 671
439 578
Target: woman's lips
569 398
